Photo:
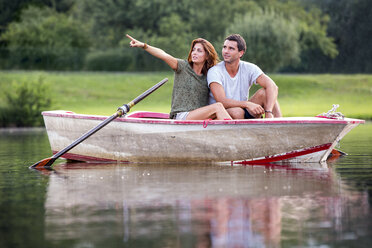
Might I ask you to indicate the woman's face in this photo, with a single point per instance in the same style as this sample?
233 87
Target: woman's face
198 54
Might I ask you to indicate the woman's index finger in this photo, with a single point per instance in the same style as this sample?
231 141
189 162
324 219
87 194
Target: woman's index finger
130 37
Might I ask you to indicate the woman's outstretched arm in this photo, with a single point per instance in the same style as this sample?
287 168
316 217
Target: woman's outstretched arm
157 52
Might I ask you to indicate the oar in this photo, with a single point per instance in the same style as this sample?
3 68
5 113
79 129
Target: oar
120 112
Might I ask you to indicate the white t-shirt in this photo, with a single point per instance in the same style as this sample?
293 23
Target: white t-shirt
236 88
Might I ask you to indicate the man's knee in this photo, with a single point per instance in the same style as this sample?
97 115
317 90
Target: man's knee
259 97
261 93
236 113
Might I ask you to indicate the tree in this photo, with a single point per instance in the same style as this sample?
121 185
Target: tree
350 26
169 24
11 10
45 39
272 41
312 26
109 20
174 36
211 17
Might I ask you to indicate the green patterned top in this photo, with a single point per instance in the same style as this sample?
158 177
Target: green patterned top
190 91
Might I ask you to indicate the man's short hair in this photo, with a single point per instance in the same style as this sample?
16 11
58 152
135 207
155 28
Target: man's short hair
240 40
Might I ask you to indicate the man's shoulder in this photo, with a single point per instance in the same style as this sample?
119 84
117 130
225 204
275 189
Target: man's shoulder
250 67
215 73
247 64
217 68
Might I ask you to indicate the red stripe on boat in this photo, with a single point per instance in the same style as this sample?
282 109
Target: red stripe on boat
289 155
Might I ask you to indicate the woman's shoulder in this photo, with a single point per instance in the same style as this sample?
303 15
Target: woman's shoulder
181 64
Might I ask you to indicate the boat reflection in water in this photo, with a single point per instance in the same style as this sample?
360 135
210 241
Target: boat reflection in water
198 205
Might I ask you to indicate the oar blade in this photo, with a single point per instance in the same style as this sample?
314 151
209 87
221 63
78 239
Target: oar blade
43 163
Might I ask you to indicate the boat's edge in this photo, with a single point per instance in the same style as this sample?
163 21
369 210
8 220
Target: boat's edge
159 118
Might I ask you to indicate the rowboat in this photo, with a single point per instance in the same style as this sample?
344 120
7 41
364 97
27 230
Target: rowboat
152 137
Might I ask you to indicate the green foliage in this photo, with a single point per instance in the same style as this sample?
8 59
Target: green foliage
171 25
109 20
174 37
44 39
25 103
110 60
272 41
314 36
332 35
210 18
11 10
350 25
312 26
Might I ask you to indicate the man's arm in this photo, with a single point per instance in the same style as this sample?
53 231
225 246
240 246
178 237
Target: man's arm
220 96
271 90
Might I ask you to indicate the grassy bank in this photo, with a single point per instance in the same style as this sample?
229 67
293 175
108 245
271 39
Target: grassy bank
102 93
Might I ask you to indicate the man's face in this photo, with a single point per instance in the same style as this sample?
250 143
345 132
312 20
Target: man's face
230 51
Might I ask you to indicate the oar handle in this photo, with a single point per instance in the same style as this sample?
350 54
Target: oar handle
126 107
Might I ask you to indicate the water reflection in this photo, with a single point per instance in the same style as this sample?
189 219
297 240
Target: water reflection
200 205
157 205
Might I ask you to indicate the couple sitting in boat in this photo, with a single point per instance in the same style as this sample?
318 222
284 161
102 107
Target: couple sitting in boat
205 89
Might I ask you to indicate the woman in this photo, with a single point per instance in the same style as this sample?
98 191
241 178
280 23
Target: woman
190 89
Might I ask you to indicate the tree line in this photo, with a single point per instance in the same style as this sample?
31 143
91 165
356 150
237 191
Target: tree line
284 36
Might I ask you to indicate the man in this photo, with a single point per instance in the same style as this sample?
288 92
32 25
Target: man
229 82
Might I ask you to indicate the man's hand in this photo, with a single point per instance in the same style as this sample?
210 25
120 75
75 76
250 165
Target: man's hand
254 109
269 114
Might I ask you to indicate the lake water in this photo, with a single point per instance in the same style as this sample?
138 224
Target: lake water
170 205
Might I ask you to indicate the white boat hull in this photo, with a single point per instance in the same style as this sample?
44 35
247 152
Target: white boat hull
133 139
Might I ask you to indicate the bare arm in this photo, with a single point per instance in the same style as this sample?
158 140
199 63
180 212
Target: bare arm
157 52
271 90
220 96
